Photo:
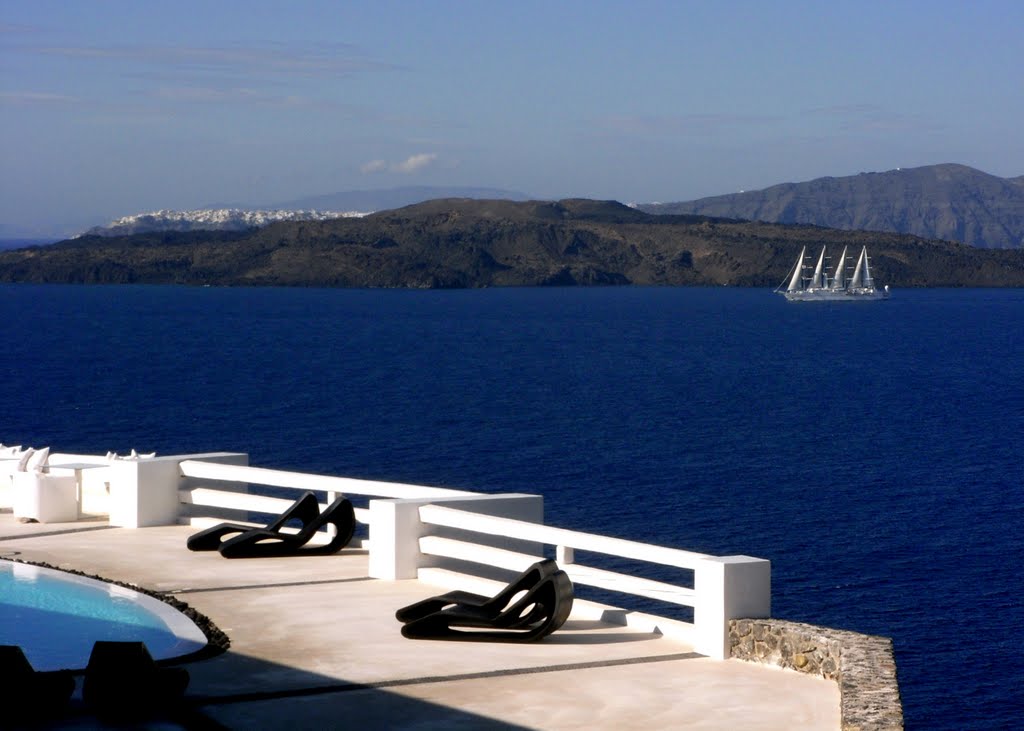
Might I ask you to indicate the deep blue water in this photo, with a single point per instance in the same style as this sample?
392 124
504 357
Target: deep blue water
871 451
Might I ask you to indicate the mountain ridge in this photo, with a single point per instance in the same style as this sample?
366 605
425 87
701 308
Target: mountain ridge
382 198
948 201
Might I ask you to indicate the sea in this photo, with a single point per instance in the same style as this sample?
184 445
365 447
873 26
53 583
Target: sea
873 451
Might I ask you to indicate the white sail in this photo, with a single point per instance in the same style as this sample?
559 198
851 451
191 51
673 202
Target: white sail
819 288
857 280
839 278
817 281
794 281
868 281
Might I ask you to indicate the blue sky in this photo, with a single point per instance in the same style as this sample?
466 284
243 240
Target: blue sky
111 108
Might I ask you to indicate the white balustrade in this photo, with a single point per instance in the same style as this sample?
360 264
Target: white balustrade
431 533
411 529
725 587
308 481
228 495
396 528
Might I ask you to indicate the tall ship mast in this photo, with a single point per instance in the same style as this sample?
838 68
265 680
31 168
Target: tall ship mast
818 287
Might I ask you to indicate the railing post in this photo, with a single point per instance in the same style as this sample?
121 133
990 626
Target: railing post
565 555
332 495
728 587
395 528
395 531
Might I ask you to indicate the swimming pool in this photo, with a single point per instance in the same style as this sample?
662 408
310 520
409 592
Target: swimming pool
56 617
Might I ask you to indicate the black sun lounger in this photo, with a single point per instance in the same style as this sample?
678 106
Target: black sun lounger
538 612
123 681
304 510
493 605
28 693
261 543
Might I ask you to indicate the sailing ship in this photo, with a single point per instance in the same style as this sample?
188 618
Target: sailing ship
819 287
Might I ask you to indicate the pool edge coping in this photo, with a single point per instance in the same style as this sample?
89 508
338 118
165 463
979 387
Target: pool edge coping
217 641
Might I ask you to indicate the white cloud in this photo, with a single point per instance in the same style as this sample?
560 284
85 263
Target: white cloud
414 163
411 164
374 166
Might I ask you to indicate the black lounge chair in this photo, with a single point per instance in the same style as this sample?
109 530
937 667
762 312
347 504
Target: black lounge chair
262 543
29 694
541 610
493 605
304 510
123 681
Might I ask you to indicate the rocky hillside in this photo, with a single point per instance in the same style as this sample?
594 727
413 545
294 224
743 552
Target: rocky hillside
948 202
473 243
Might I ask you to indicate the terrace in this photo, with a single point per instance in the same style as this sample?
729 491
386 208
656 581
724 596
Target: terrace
314 641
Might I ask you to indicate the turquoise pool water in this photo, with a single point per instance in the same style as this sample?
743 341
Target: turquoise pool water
56 617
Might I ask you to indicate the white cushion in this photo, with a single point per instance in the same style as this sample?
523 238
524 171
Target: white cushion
37 462
25 457
136 456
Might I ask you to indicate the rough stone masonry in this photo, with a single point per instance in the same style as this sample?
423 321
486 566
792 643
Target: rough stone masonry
863 665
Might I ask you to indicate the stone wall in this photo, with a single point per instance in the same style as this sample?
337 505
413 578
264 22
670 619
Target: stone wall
862 665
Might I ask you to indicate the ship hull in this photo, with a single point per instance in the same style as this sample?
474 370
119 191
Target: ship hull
843 295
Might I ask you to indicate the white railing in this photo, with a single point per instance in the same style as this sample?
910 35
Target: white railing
566 542
218 497
432 533
724 587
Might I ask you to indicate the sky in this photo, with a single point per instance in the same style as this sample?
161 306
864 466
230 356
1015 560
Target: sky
109 107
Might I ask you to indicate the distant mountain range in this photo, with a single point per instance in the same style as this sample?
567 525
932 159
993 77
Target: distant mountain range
382 200
948 202
457 243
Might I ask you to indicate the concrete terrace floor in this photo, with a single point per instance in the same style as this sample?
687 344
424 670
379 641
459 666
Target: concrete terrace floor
314 645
